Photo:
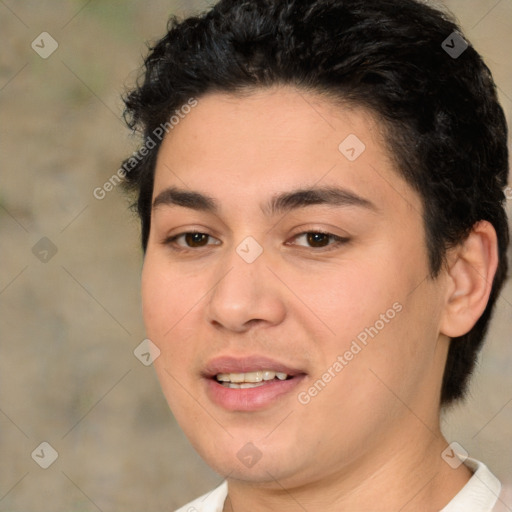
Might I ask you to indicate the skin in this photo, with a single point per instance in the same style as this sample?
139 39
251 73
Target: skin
371 437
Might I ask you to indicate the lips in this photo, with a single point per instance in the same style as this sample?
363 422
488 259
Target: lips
245 397
230 364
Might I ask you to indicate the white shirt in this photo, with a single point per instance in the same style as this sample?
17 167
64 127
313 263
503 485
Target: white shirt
480 494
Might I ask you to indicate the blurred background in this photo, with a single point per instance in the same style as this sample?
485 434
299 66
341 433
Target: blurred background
69 277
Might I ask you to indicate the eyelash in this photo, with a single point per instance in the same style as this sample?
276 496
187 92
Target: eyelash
338 241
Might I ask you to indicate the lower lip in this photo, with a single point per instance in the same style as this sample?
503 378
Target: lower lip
250 399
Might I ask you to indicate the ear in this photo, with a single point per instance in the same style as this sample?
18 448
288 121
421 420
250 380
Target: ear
471 269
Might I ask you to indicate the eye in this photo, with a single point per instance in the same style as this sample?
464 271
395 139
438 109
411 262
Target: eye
192 240
320 239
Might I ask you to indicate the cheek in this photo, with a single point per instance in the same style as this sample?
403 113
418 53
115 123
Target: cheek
155 296
351 296
164 296
388 355
168 310
373 322
165 306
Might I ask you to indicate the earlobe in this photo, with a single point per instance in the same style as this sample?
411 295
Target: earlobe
471 269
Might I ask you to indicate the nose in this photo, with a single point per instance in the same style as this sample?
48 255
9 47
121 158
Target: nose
245 294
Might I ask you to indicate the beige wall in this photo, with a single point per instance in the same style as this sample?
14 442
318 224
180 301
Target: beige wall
69 325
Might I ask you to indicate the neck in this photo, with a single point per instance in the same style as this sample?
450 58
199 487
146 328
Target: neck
407 475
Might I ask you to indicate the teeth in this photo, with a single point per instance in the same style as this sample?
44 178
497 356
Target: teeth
253 377
247 385
244 385
250 378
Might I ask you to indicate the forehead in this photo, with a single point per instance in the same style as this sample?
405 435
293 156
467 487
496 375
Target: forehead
241 149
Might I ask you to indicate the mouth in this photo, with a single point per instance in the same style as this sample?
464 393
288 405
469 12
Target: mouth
251 383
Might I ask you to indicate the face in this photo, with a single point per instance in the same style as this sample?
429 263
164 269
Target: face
314 309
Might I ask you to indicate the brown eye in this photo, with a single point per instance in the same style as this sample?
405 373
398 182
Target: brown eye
196 239
318 239
190 240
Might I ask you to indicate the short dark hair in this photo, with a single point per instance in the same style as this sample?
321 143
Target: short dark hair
442 121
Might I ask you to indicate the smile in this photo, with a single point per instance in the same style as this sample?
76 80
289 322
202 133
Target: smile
251 383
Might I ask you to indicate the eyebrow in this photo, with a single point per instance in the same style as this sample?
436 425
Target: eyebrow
278 204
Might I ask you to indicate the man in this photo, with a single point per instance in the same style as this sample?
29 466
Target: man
325 239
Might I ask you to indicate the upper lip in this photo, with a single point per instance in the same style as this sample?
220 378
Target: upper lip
232 364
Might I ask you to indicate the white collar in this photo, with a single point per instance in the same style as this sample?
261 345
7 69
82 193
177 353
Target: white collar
212 501
481 492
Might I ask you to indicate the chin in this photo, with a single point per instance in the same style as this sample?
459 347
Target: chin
249 461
